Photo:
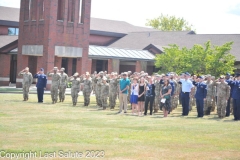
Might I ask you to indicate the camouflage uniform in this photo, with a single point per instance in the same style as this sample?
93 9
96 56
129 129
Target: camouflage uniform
87 89
75 89
98 92
104 94
208 103
62 86
54 87
113 84
157 94
214 98
174 98
192 101
26 83
223 93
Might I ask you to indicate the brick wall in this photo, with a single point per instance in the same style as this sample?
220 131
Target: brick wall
50 33
5 61
3 30
101 40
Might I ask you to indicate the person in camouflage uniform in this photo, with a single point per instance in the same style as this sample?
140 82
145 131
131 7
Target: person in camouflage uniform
75 87
192 101
104 93
174 98
98 89
63 84
157 93
55 84
26 83
208 103
223 93
87 88
178 91
113 84
214 97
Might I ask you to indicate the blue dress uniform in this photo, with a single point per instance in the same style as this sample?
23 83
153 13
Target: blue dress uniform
229 82
236 98
41 84
200 95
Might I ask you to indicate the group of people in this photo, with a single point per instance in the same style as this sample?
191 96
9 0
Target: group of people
144 92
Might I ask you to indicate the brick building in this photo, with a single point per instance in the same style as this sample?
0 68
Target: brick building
66 36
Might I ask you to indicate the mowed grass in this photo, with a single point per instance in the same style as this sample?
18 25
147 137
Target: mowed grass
47 127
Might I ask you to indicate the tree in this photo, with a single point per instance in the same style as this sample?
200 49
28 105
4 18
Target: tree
206 59
169 23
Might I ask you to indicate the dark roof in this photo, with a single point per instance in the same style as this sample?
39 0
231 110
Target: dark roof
141 40
97 26
116 26
9 14
5 40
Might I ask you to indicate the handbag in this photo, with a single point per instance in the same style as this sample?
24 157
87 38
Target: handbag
167 96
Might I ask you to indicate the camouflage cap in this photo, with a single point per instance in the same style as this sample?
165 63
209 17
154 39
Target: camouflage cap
222 77
76 74
55 68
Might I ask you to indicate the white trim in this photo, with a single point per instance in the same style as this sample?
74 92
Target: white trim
19 80
6 79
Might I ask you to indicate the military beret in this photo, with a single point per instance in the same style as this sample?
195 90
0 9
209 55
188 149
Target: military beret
202 77
238 75
228 74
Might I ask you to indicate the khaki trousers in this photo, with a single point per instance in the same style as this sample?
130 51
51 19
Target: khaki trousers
123 102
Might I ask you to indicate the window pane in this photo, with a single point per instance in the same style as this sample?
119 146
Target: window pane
11 31
17 31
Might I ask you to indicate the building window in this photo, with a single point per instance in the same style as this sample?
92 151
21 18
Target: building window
33 8
13 31
61 7
41 9
27 10
71 10
81 11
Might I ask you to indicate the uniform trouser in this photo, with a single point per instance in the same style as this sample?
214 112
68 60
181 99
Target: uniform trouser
200 106
112 99
156 103
123 102
208 103
185 103
54 93
214 104
86 95
221 106
25 91
147 100
74 94
104 101
62 89
236 108
175 101
228 107
40 92
98 98
180 98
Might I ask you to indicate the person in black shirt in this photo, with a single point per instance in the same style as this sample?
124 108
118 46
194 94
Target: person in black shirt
150 95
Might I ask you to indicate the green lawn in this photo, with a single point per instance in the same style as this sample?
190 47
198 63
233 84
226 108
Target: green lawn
26 126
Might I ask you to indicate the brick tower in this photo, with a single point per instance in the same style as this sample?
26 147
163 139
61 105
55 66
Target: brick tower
50 30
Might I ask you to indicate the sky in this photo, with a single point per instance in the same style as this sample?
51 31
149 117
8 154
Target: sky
206 16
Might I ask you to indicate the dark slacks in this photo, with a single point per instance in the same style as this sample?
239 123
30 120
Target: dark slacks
185 103
40 92
228 107
236 109
147 100
200 104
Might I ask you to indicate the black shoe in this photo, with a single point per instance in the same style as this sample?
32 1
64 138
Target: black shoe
125 112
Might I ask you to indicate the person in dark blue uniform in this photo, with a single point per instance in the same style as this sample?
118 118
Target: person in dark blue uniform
236 97
200 95
41 84
229 82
